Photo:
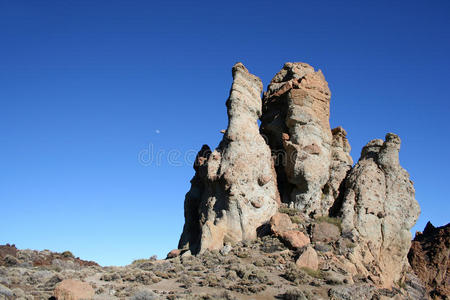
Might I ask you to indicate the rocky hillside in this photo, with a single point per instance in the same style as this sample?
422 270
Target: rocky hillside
264 268
270 267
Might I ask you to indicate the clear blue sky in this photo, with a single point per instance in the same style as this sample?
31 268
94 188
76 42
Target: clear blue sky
85 86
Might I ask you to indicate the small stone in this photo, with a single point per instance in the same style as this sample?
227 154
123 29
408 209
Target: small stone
186 253
174 253
285 136
312 149
263 179
257 202
226 249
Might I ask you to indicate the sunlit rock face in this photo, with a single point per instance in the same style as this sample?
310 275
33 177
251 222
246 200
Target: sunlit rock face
295 158
234 190
379 210
296 111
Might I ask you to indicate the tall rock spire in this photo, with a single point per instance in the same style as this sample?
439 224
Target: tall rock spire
296 110
379 210
295 158
234 190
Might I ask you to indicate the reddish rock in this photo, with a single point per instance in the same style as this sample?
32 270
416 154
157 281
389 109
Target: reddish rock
282 227
312 149
174 253
294 238
257 203
263 179
280 223
72 289
429 258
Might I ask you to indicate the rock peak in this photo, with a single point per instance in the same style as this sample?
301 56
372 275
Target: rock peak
237 190
296 160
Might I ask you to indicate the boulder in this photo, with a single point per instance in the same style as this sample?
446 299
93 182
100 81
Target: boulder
325 232
294 239
72 289
281 222
283 228
308 259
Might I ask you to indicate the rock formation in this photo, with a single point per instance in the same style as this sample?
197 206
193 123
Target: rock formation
341 164
304 166
429 257
296 109
234 190
276 212
379 210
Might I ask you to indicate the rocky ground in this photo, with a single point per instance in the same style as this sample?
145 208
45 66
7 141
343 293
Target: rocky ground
274 266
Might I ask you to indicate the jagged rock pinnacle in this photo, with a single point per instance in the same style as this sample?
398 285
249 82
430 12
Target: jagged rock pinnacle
295 159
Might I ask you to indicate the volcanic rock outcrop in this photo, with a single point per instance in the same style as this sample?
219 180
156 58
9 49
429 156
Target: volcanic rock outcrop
429 257
234 190
379 209
295 160
296 109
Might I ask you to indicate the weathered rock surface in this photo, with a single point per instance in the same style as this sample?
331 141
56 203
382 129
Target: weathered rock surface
429 257
260 269
325 232
295 120
308 259
379 210
341 164
281 222
71 289
369 208
174 253
234 190
282 227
